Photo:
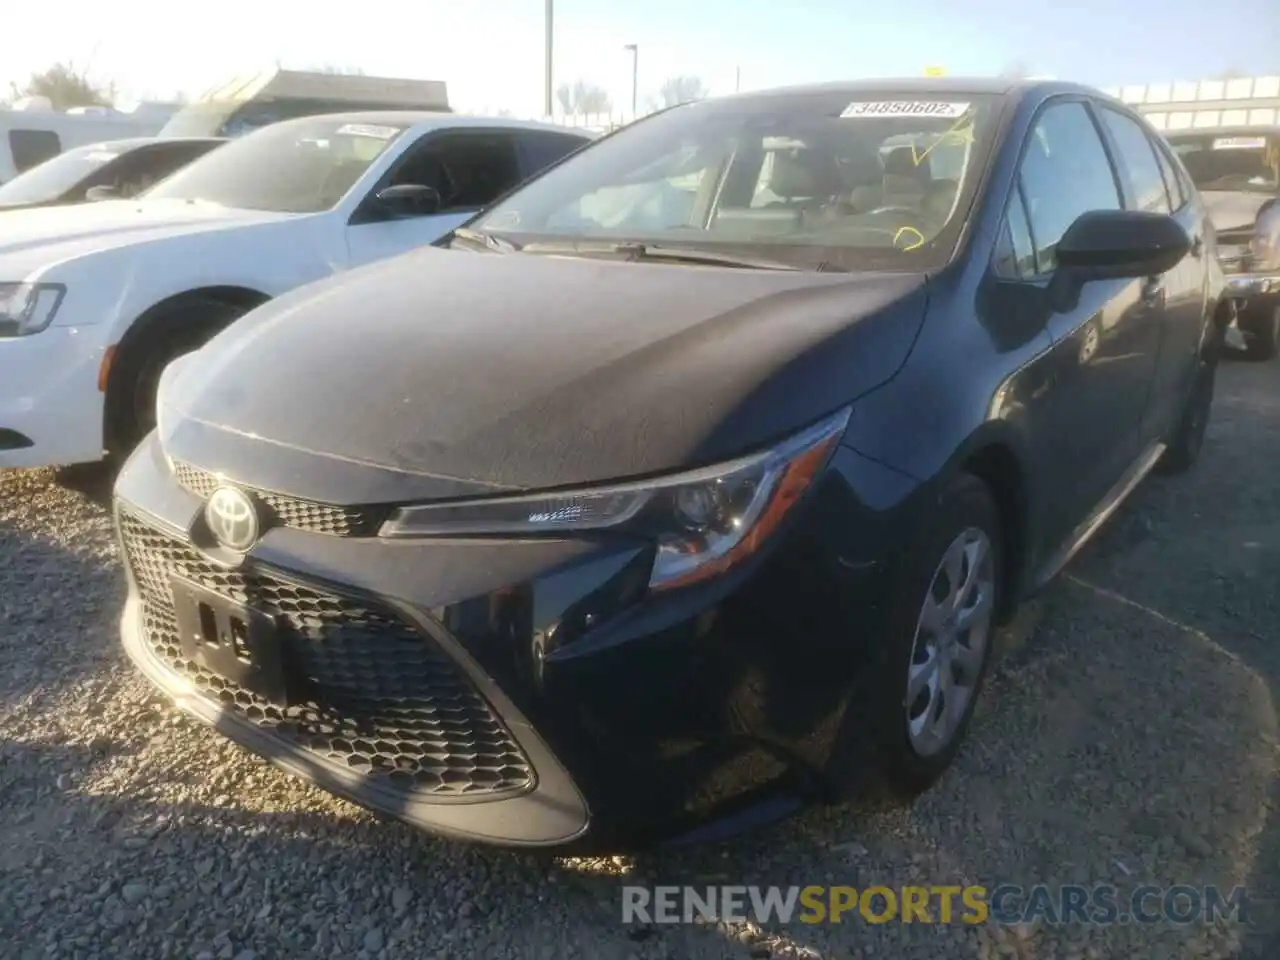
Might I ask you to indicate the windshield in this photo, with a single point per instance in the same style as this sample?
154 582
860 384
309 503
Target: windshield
1217 162
807 178
300 166
203 119
50 180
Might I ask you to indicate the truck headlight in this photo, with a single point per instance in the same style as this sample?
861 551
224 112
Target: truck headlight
27 308
702 522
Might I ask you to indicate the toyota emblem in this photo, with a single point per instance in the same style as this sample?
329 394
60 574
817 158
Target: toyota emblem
233 518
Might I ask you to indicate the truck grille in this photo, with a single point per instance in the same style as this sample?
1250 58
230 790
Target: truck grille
385 700
290 511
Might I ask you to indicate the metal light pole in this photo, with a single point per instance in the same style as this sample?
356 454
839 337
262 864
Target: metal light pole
546 106
635 74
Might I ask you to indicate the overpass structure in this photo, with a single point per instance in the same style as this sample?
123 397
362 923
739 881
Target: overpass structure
1207 104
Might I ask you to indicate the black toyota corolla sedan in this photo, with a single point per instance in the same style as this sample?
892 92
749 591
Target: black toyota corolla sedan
688 481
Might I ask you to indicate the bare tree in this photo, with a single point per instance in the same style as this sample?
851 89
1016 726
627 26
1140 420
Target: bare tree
583 97
683 89
66 87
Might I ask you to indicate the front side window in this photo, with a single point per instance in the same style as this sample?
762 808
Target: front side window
468 169
1016 253
1172 182
299 166
1138 162
858 182
1065 172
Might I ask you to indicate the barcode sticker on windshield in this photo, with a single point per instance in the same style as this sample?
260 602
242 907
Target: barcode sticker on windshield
368 130
945 109
1240 143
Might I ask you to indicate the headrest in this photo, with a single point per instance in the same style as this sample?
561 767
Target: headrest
804 173
901 162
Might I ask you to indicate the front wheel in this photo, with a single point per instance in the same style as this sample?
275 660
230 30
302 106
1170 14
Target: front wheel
933 649
135 376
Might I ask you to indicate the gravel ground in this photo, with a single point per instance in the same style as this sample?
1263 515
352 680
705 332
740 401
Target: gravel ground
1130 736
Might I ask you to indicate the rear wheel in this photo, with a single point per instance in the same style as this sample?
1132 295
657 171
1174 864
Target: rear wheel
1261 326
135 376
1188 438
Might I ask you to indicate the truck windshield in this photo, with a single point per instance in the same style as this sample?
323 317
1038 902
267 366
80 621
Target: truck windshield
299 166
869 181
1215 162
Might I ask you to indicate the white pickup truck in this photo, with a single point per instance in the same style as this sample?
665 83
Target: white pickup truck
96 300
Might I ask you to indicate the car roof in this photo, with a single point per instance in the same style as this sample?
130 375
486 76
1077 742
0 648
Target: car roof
437 118
927 87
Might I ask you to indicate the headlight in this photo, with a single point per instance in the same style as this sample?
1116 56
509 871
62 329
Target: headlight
703 522
27 308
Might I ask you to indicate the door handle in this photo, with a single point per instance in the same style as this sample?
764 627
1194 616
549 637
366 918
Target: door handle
1153 292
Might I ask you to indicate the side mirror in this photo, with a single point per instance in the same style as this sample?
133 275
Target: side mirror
1115 244
101 192
409 200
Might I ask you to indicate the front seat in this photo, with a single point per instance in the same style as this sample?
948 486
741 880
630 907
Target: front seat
805 179
905 181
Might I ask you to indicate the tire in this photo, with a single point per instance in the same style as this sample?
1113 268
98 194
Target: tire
1261 323
131 390
887 745
1188 438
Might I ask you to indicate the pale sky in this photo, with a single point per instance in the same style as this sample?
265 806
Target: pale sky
490 52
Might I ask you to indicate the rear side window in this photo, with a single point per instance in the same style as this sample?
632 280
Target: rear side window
30 148
542 148
1177 199
1065 172
1138 159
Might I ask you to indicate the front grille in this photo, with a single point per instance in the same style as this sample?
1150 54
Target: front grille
290 511
384 699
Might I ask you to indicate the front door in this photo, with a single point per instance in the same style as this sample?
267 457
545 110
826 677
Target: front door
1086 421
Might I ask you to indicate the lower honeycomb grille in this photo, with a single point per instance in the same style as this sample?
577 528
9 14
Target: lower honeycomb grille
382 699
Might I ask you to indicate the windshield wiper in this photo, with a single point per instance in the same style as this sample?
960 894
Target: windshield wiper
486 241
634 250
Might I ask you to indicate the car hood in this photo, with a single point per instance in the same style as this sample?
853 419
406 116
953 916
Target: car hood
443 374
43 235
1231 210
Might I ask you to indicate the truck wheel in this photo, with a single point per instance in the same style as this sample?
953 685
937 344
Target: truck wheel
1262 325
172 331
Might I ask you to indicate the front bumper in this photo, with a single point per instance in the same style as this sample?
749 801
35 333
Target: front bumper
50 406
524 693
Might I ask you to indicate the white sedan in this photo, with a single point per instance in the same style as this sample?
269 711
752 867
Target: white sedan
96 300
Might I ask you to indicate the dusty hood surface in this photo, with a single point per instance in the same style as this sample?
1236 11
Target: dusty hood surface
444 374
1233 209
42 235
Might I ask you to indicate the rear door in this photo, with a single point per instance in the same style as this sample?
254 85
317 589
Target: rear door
468 168
1173 302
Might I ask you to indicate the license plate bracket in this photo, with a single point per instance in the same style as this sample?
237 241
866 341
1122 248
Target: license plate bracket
231 640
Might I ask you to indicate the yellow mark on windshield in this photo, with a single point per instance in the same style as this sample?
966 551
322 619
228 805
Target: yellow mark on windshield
953 134
919 241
